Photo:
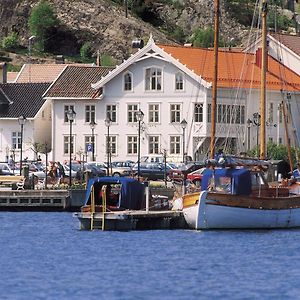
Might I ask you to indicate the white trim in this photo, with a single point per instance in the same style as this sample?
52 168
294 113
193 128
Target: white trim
151 46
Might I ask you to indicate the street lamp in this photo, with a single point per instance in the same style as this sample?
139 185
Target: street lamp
139 116
22 121
71 114
256 121
183 124
30 41
93 125
107 124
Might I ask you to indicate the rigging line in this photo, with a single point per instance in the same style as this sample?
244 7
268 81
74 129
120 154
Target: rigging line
243 74
284 84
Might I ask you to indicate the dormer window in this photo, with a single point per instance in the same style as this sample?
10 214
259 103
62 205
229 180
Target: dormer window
179 81
128 82
153 79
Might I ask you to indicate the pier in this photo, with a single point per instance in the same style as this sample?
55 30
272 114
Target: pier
34 200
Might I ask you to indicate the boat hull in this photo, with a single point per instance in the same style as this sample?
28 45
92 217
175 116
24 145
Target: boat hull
205 215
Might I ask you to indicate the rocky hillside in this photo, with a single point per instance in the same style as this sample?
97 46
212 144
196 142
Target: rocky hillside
105 25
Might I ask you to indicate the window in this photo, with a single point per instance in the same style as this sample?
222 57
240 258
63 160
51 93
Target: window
175 145
228 114
66 109
175 113
198 112
209 113
89 113
16 140
153 113
179 81
112 144
132 109
132 145
67 145
270 113
111 111
127 82
153 144
153 79
280 140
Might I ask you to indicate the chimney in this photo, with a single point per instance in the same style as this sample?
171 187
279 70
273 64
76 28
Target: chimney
3 72
258 58
98 59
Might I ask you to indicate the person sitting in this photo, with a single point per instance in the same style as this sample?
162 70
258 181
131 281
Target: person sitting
296 172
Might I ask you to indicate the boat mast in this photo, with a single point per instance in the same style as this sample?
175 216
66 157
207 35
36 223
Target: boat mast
286 131
263 81
215 79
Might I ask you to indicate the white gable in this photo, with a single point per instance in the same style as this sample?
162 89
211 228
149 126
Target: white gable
151 50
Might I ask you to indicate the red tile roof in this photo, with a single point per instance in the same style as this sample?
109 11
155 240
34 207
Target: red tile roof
235 69
42 72
75 82
11 76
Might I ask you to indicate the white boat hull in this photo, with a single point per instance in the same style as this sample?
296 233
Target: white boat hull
210 216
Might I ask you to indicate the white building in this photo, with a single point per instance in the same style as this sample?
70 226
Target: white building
168 84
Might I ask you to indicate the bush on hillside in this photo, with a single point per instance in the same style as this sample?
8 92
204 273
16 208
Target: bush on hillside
11 42
86 51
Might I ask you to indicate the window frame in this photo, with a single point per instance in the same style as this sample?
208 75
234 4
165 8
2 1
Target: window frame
125 83
153 79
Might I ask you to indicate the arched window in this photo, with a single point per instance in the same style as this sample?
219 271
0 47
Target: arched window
128 82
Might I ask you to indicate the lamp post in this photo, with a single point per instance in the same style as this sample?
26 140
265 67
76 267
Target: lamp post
30 41
183 124
71 114
107 124
139 116
249 122
22 121
256 121
93 125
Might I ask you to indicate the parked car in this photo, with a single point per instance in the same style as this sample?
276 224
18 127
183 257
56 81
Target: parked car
151 171
95 170
121 168
178 174
196 176
5 169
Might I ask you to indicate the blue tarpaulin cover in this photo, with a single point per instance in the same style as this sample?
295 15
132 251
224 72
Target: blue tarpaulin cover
240 179
132 191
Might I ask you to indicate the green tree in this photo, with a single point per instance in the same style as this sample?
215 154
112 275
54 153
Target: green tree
42 19
86 51
203 38
10 42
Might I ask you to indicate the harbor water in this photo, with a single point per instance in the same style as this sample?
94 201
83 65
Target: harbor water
46 256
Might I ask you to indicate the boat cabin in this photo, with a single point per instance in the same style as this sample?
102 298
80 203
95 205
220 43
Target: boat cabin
120 193
238 181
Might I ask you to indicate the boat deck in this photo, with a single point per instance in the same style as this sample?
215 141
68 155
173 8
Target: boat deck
131 220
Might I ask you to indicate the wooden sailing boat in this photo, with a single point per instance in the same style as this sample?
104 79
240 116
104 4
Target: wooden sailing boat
237 194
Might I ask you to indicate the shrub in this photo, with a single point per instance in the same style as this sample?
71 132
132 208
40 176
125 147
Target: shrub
107 60
86 51
11 42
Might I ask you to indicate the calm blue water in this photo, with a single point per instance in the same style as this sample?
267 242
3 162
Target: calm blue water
45 256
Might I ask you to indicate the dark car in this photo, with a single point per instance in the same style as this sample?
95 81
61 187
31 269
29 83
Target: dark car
151 171
95 171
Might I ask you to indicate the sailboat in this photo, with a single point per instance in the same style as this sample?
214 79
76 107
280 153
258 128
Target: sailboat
234 192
